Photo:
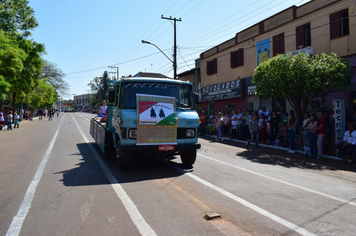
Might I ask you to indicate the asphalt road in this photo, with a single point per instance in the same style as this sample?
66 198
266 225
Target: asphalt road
55 181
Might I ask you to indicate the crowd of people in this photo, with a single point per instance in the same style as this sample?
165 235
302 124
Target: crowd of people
10 120
313 132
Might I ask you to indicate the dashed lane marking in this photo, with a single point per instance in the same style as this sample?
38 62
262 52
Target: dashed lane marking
143 227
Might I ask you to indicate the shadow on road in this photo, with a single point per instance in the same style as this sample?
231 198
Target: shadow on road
89 172
270 156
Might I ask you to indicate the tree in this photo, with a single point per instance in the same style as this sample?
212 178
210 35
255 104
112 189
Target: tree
55 77
95 87
17 16
11 61
44 95
30 76
302 78
104 86
99 86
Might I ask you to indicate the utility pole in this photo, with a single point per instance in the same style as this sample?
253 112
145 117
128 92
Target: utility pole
117 73
175 44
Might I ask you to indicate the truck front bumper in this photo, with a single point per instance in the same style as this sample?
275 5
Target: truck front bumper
155 148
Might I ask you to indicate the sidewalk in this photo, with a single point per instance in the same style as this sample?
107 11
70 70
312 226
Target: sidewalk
21 121
271 146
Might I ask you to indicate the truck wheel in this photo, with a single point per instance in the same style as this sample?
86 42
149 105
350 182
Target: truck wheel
123 158
188 157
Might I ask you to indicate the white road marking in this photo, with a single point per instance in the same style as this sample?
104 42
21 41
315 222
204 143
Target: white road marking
283 182
136 217
85 209
18 220
242 201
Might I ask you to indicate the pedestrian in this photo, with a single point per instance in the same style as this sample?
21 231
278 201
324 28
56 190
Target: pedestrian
262 126
218 126
16 121
254 131
273 128
50 114
57 111
2 121
266 113
40 114
348 146
9 120
304 128
103 108
282 134
244 127
313 136
239 124
233 125
226 124
321 133
292 129
202 119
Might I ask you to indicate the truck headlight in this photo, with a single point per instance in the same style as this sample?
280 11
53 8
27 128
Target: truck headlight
190 133
133 133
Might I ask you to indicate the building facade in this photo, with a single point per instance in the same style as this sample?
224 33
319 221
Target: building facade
315 27
82 102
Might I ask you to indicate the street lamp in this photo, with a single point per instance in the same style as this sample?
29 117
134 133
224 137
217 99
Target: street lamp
174 62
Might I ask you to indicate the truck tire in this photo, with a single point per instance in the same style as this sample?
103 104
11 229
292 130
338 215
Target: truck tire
188 157
123 158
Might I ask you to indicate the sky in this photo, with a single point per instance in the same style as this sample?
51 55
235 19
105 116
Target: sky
84 37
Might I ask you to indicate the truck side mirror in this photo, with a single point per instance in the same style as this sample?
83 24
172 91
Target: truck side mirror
111 96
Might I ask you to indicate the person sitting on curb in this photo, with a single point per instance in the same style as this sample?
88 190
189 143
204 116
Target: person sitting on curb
348 146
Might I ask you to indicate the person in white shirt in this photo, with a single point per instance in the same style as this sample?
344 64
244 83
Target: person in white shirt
348 146
9 120
239 124
233 125
103 108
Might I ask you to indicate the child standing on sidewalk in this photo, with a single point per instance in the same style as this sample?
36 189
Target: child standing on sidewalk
16 120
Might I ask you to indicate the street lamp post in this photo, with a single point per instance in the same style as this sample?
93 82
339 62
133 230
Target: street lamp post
174 64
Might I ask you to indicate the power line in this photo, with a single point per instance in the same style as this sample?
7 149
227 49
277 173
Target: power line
135 59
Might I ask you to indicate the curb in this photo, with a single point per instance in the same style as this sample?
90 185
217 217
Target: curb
272 146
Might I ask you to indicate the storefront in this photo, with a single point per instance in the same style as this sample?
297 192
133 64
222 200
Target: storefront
224 96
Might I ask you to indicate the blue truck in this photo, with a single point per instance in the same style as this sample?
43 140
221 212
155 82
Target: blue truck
148 117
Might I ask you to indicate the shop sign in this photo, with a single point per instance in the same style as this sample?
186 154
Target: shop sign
251 88
309 50
232 89
339 114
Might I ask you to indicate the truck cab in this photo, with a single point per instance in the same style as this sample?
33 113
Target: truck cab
154 116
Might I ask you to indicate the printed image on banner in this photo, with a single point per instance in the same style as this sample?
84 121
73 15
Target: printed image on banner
156 120
156 113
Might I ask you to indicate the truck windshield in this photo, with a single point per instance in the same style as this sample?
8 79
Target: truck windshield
182 93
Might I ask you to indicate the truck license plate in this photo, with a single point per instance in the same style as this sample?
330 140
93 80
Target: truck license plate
165 147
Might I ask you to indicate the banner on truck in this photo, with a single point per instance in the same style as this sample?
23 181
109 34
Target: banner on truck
157 120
